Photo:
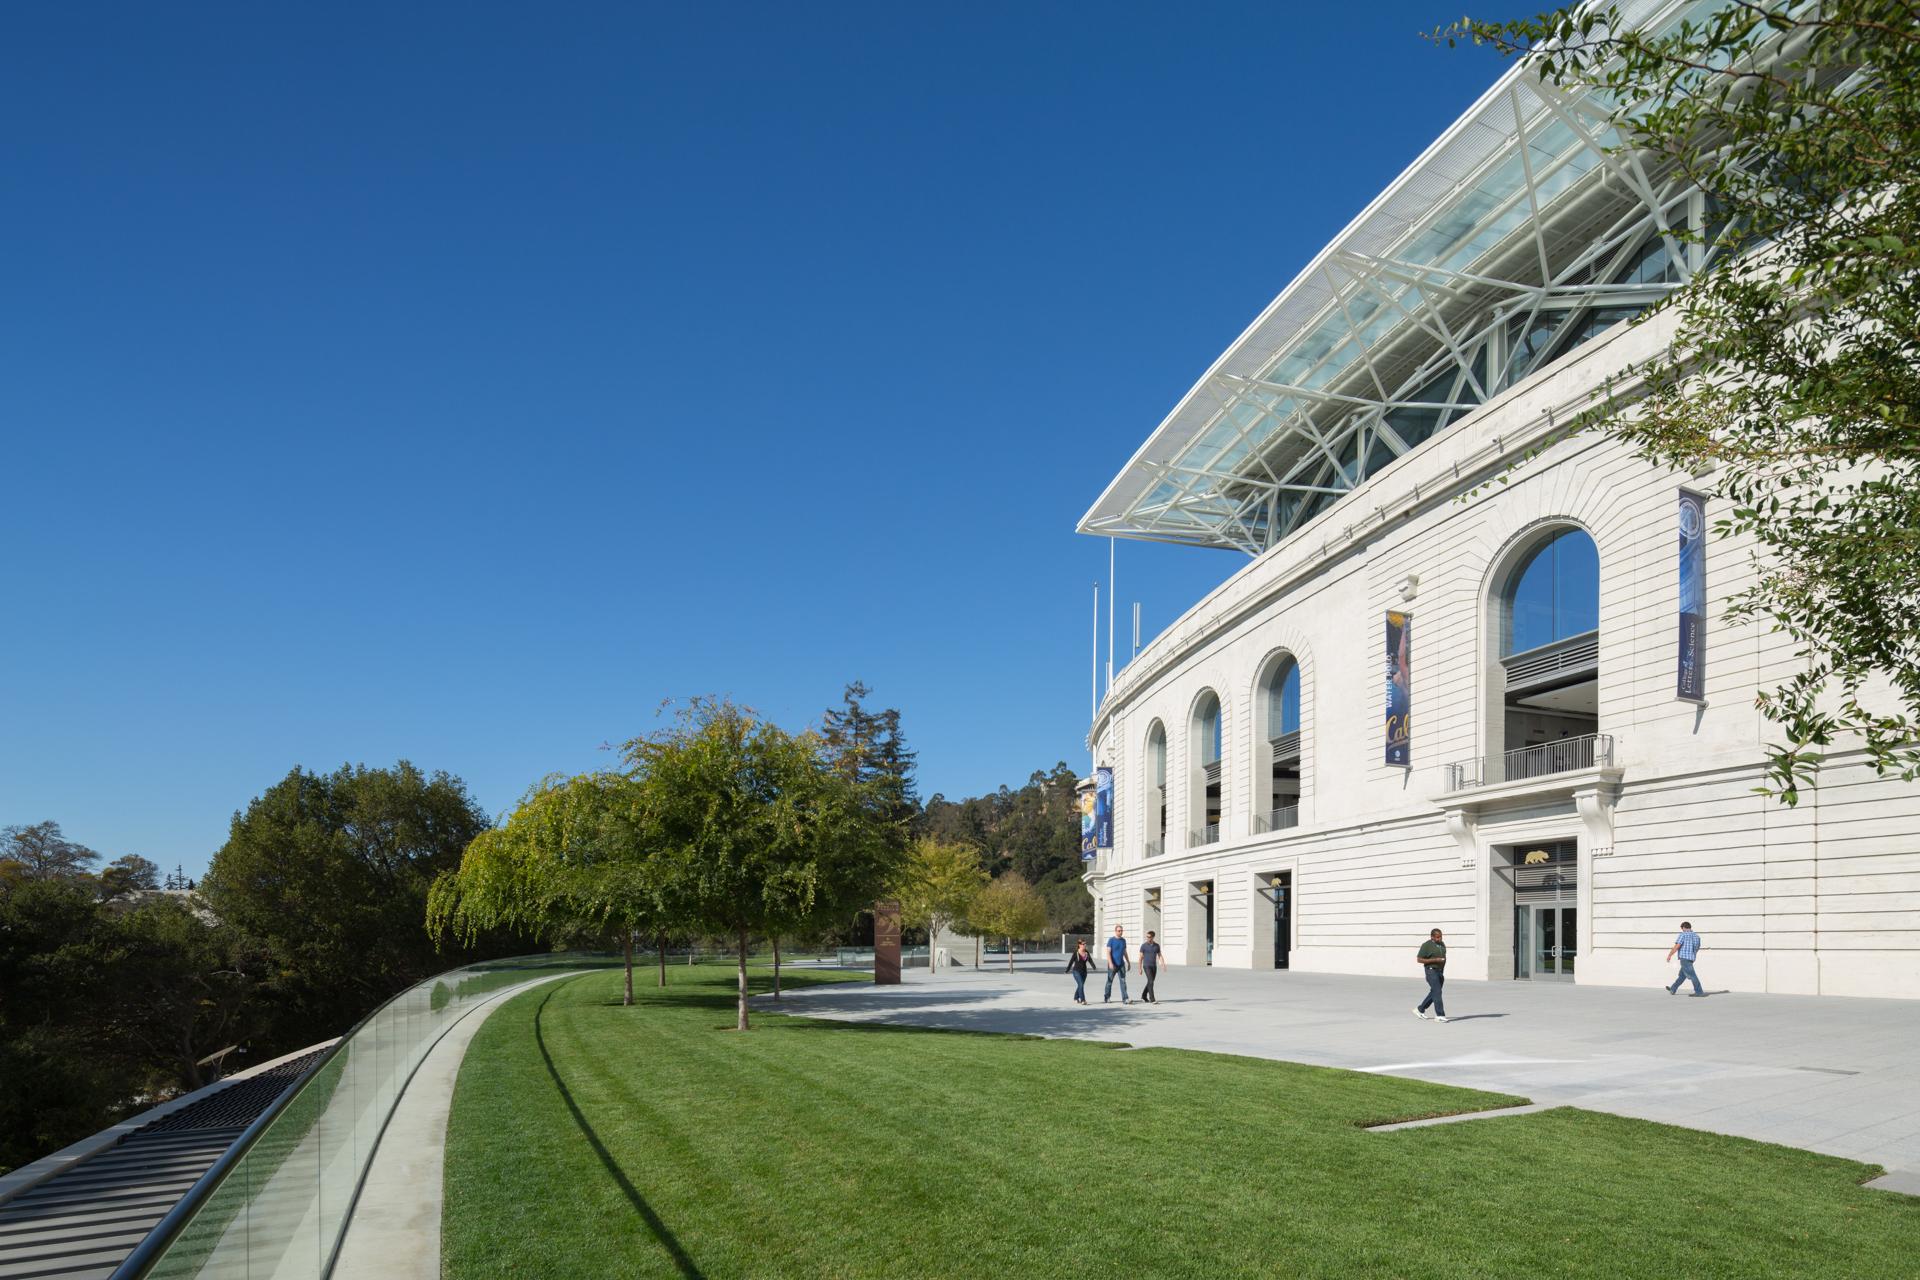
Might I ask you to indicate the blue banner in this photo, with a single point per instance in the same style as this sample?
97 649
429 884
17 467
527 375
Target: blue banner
1103 808
1690 661
1399 689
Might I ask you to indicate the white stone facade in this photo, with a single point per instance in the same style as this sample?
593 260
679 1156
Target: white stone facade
1822 898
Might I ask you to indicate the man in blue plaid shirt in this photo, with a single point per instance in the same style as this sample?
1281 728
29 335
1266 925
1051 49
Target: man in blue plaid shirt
1686 946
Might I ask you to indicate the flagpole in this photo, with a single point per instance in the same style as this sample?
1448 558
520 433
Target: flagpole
1113 591
1095 713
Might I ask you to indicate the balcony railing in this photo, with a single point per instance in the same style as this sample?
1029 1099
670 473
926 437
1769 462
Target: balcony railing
1208 834
1565 756
1153 848
1286 817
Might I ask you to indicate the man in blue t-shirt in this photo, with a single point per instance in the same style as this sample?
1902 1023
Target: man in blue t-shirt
1149 965
1686 946
1117 964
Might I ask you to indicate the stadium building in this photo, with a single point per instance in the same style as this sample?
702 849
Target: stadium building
1476 674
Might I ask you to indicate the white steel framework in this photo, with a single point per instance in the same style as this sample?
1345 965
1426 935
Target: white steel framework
1521 233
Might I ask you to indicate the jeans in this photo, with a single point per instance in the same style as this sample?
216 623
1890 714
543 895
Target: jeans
1687 975
1152 971
1120 973
1436 978
1080 987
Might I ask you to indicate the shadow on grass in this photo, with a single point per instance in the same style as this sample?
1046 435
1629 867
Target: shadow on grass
667 1239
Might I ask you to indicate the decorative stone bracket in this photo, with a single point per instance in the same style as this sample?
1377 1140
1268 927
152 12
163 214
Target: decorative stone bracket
1595 793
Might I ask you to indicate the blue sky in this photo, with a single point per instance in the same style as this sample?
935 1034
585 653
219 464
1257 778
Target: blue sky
457 383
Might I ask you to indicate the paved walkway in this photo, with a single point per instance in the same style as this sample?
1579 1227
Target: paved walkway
1828 1073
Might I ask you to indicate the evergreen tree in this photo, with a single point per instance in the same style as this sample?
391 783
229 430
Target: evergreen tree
867 748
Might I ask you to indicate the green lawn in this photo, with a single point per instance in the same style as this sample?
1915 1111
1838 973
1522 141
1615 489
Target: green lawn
596 1141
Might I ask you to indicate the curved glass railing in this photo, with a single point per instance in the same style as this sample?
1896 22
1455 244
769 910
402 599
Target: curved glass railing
278 1202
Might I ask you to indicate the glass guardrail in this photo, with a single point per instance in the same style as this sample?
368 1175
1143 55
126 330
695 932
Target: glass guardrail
278 1203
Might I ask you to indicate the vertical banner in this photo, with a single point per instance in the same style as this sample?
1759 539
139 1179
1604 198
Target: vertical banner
1103 808
1690 659
1087 846
1399 688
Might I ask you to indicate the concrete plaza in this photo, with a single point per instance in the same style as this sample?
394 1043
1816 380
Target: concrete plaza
1826 1073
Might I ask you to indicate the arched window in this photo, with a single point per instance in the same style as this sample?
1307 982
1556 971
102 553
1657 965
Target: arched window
1279 746
1204 735
1156 824
1553 593
1548 676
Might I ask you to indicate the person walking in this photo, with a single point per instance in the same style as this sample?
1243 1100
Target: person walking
1150 965
1433 958
1078 964
1686 946
1117 964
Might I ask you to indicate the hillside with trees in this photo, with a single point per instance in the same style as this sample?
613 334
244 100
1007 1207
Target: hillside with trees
1033 831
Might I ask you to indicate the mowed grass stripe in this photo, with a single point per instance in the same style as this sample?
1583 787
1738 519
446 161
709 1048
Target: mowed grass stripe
807 1148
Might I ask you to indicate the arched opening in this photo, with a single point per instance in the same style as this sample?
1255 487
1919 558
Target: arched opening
1547 679
1156 823
1204 742
1279 745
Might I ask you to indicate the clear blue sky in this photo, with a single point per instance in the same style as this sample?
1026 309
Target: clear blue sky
456 383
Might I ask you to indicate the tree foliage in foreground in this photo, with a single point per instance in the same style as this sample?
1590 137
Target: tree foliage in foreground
758 831
1799 380
577 859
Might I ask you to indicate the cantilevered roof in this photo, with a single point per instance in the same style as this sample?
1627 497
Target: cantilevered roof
1518 234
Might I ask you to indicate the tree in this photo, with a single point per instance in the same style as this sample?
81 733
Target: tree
867 747
938 885
128 874
1008 908
184 988
331 871
43 853
1797 377
576 855
108 1009
759 831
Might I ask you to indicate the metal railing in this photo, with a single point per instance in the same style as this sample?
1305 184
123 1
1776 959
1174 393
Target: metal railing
1153 848
1208 834
279 1201
1568 754
1285 818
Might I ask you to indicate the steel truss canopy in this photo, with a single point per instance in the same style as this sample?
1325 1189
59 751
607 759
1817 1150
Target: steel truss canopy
1518 235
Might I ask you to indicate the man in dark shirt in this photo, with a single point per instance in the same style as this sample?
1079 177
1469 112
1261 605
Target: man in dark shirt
1433 958
1117 964
1149 965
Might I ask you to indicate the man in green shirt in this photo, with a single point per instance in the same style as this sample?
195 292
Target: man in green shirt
1433 958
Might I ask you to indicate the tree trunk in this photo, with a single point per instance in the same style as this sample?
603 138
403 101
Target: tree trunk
1009 955
629 941
976 951
776 966
743 981
663 959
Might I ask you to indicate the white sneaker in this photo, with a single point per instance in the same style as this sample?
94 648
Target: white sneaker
1420 1015
1439 1017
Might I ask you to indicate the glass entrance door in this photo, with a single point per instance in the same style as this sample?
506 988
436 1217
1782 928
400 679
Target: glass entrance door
1548 941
